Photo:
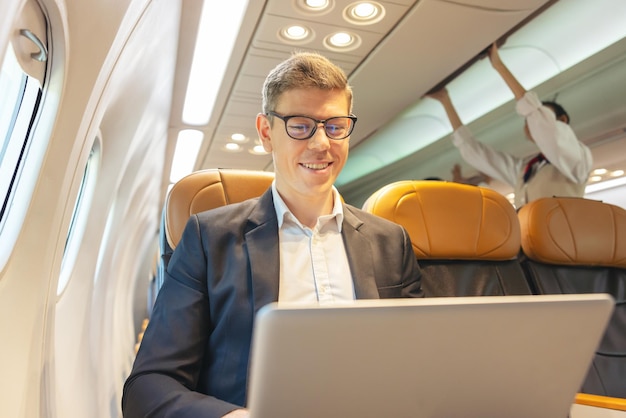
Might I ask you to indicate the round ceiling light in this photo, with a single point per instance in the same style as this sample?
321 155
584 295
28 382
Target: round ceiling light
317 4
232 147
237 137
314 7
364 13
296 34
342 41
258 150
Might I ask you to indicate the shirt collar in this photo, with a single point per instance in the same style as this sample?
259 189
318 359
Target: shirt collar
282 210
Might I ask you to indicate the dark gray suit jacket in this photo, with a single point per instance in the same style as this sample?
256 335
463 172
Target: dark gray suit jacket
225 268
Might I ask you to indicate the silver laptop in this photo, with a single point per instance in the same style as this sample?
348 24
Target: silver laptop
510 356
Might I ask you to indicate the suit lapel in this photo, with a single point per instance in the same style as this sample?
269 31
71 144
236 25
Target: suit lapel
360 257
262 242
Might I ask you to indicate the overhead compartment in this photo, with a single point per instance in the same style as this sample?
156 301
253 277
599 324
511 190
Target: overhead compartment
434 39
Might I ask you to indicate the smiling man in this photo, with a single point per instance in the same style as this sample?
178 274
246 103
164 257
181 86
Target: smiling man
298 242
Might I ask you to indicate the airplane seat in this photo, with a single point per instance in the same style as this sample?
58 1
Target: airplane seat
200 191
466 238
576 245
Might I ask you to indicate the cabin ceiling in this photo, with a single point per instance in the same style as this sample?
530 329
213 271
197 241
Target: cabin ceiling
400 58
415 47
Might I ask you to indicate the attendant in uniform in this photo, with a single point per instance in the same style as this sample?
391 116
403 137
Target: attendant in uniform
563 164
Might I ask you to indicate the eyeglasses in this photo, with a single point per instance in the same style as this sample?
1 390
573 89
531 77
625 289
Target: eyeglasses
303 127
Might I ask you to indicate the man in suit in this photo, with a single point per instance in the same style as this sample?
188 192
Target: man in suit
298 242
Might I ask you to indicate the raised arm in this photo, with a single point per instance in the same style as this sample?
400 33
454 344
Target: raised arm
493 163
508 77
444 98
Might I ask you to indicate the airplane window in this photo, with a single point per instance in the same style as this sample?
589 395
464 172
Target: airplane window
12 81
25 121
20 96
79 215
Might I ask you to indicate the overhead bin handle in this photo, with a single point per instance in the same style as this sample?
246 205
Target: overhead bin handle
40 56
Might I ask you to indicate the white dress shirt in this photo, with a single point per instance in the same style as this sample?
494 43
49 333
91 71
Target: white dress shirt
313 262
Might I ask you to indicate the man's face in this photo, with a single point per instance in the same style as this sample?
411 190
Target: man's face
305 168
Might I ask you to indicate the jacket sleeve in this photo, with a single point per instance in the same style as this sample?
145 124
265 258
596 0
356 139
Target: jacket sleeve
412 280
168 363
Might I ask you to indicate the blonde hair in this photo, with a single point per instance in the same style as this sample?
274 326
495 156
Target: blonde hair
301 71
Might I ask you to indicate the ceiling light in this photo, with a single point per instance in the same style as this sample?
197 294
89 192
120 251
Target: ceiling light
364 13
595 178
210 58
314 7
617 173
185 154
295 33
342 41
258 150
232 147
599 171
317 4
238 137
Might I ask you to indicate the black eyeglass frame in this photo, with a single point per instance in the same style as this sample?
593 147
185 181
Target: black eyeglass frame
285 119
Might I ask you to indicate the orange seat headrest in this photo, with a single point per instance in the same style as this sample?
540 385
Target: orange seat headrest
208 189
574 231
448 220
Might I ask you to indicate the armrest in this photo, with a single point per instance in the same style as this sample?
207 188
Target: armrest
601 401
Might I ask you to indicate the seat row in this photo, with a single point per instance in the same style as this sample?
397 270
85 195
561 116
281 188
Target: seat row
470 241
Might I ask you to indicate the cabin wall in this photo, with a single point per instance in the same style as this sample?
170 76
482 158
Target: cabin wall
111 76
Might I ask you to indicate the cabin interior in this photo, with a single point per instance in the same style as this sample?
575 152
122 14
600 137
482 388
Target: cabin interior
116 118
